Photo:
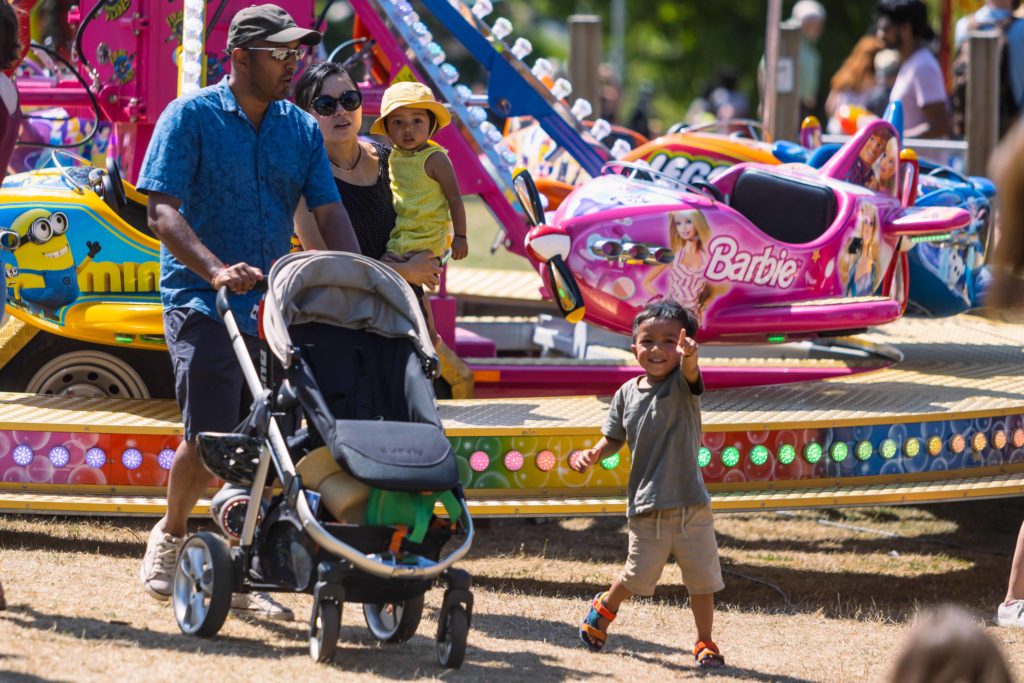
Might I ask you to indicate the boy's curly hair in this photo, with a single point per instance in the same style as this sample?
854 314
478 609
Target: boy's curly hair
10 44
667 309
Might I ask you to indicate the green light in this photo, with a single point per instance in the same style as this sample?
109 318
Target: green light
152 338
813 452
941 237
776 338
912 447
611 462
787 454
124 338
704 456
759 455
864 450
887 449
730 456
839 451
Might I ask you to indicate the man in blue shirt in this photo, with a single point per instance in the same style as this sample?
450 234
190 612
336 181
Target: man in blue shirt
224 173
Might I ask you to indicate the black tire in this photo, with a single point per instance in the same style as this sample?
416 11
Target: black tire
122 372
203 583
451 649
323 636
389 630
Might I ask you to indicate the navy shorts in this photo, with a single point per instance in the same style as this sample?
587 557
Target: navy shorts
207 377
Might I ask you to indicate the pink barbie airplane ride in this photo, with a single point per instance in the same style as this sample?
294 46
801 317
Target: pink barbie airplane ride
761 253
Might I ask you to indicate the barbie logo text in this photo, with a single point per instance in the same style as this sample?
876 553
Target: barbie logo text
767 268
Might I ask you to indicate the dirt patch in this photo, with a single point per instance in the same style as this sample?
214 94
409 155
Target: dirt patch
837 587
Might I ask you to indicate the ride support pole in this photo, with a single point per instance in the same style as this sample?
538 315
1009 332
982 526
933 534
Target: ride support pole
585 57
982 125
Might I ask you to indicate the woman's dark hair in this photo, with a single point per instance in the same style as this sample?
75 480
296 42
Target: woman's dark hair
311 82
10 45
913 12
666 309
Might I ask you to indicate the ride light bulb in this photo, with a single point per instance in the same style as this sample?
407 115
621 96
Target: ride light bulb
436 54
546 461
23 455
581 109
59 456
620 149
561 89
476 116
491 132
506 154
481 8
412 18
422 33
502 28
449 73
462 93
542 69
479 461
95 457
513 461
404 8
601 129
521 48
165 458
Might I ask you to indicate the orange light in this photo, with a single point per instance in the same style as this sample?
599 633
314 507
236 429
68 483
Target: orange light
979 441
1017 438
999 439
934 445
957 444
488 376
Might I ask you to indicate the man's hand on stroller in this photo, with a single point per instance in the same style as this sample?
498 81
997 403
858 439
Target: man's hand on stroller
239 278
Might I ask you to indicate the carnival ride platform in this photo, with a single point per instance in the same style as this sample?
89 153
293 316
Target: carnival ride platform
944 423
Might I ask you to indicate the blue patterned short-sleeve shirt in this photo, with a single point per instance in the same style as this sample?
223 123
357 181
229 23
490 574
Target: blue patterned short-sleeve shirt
238 187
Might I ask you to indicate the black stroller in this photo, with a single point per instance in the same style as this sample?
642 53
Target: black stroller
354 439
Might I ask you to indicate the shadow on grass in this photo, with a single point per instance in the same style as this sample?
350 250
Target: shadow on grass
86 628
967 565
14 677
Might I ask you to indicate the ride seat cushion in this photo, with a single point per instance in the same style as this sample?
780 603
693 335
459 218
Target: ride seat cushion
787 209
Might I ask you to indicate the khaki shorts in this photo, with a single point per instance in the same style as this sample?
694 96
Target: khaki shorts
688 534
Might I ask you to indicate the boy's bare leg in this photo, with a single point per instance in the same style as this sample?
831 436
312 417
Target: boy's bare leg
1015 587
703 608
617 594
434 336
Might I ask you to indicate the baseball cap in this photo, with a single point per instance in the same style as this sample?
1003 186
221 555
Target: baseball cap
270 23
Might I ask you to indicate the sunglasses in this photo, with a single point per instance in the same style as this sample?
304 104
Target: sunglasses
281 54
350 100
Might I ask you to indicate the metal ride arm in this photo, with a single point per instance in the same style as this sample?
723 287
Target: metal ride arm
278 453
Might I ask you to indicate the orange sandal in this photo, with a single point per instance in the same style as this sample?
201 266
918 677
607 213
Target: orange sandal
590 634
708 655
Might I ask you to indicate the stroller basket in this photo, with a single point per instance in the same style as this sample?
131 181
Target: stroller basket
231 457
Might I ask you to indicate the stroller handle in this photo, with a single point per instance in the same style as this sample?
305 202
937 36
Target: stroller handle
225 292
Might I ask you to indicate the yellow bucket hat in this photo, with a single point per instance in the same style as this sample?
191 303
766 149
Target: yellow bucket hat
409 94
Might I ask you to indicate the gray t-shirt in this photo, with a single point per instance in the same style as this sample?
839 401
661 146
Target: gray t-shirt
661 424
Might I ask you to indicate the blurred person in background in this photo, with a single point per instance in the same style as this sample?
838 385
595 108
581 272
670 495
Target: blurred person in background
853 83
920 86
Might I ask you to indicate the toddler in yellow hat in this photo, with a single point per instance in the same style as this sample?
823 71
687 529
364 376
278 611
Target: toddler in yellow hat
430 213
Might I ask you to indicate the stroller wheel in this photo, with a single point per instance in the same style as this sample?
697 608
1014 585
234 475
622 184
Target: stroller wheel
451 647
394 622
323 635
203 580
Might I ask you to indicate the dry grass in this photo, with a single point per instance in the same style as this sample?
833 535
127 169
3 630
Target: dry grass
837 597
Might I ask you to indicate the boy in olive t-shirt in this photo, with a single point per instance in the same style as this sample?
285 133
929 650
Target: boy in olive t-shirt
668 508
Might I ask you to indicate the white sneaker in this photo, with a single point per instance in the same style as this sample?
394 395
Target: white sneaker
260 605
157 571
1010 615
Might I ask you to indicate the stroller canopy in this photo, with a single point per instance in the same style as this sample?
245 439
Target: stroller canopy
343 289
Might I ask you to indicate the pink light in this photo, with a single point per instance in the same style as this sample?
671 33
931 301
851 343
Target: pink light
513 461
479 461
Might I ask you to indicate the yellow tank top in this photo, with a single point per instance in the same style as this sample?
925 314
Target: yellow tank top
424 222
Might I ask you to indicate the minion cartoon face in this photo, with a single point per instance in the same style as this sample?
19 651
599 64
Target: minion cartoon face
44 276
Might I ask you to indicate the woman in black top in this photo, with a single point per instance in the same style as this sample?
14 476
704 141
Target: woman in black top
328 93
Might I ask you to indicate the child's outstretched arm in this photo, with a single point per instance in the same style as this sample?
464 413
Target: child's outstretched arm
687 348
439 167
602 449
